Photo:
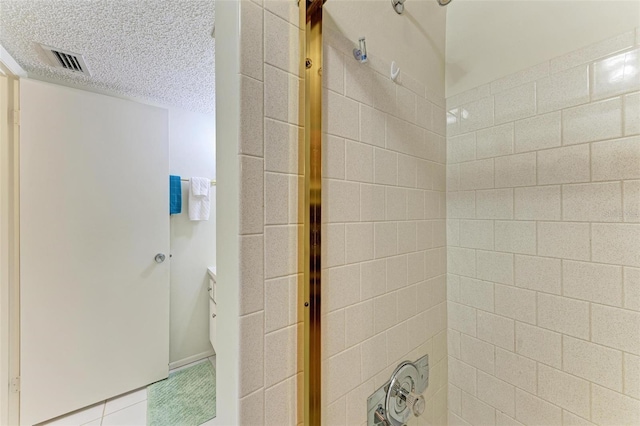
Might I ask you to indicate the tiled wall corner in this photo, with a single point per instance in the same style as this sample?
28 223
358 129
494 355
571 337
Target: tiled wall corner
543 239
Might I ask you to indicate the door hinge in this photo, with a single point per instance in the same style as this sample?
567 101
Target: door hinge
16 117
15 385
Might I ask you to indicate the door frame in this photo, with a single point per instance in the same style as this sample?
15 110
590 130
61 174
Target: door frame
10 249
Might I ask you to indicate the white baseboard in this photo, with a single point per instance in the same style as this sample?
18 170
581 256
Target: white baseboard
193 358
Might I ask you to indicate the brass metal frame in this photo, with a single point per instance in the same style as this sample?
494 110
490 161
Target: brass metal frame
311 22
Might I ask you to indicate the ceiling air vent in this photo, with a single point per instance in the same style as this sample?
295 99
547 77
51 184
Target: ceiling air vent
65 59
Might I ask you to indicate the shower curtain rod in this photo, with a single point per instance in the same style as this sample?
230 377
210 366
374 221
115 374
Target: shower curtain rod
213 182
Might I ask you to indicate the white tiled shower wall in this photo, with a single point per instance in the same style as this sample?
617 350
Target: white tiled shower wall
384 287
543 239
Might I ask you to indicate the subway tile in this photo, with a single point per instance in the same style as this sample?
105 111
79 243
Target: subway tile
461 261
616 328
343 200
415 204
494 266
343 287
396 203
476 115
570 419
407 104
476 293
594 282
537 343
333 164
516 370
280 302
397 272
251 274
461 318
359 162
592 202
476 234
454 399
384 94
468 96
251 362
515 237
406 237
334 328
372 202
461 204
476 411
564 315
283 140
372 126
495 329
332 67
538 203
515 170
494 141
592 52
416 265
532 410
385 312
615 160
423 113
281 45
251 138
281 93
632 288
453 343
280 404
385 167
359 83
251 195
564 390
519 78
494 204
407 171
504 420
595 363
612 408
539 132
516 303
356 403
496 393
342 116
516 103
280 355
343 372
616 243
276 205
425 171
611 76
476 174
358 323
358 242
251 409
632 114
564 165
373 278
538 273
565 240
632 375
631 200
374 355
461 148
333 244
462 375
563 89
424 235
402 136
592 122
251 41
281 258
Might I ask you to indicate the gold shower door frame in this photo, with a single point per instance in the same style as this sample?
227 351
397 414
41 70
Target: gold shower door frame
311 23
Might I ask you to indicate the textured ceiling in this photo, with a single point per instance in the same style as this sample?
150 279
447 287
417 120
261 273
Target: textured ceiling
158 50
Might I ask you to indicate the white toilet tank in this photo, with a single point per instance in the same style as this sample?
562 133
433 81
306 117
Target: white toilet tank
213 311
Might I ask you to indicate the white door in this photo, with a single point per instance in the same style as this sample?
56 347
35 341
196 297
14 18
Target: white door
94 305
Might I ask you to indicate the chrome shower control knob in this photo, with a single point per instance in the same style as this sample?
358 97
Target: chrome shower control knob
159 258
417 404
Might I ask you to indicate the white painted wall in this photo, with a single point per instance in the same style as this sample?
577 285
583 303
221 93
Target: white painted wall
415 39
193 244
487 40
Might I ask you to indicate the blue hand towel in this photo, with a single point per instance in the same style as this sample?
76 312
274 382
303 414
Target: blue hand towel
175 195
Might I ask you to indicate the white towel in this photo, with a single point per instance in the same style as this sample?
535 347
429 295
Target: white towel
199 204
